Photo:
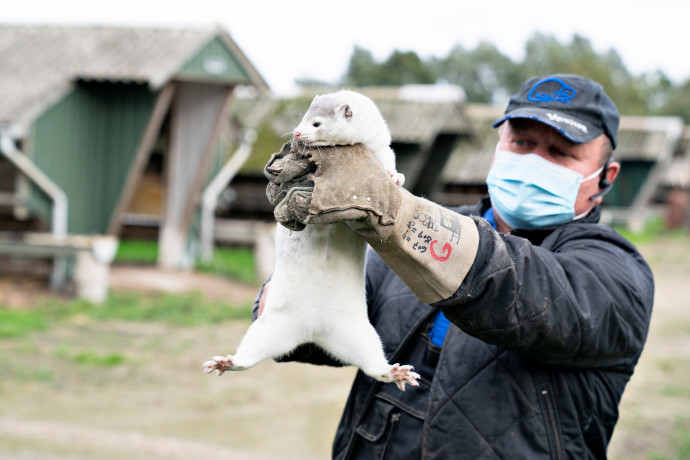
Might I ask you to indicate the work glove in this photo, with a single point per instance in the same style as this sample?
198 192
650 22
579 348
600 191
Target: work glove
429 247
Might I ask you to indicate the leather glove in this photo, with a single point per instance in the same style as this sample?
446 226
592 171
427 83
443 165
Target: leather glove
429 247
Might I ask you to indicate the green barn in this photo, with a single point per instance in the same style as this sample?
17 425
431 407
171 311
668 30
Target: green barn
107 128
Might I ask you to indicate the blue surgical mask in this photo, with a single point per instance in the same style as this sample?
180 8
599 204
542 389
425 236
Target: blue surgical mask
530 192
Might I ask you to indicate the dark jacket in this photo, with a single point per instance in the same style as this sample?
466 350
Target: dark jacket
547 328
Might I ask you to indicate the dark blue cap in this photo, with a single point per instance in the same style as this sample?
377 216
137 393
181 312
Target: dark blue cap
577 107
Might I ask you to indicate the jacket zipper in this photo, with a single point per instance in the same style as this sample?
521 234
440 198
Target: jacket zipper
551 416
395 418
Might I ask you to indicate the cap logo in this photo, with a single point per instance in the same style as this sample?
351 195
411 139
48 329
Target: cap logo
568 121
551 90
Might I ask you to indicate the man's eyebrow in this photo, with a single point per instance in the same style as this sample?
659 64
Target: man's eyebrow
520 128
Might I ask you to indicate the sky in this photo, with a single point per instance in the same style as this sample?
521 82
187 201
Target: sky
291 39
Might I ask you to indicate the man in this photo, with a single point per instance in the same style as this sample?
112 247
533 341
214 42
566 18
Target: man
523 315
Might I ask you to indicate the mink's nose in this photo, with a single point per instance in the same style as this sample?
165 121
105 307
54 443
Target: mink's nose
297 134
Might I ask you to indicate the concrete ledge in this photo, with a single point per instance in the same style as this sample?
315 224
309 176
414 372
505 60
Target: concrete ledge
260 235
91 255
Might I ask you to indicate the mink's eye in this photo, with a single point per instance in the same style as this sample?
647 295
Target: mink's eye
316 124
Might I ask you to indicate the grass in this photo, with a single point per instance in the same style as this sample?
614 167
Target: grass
137 251
679 446
654 229
233 263
102 360
15 323
179 310
236 263
136 358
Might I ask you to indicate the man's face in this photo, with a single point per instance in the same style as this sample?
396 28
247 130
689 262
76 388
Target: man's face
530 136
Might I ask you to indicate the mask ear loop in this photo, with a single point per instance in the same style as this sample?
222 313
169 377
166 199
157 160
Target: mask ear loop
604 183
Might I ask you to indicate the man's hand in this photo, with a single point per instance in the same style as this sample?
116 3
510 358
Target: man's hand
428 246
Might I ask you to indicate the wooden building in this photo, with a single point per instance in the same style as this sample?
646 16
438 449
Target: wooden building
426 123
105 129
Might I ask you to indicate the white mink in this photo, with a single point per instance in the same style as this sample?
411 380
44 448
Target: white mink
317 290
347 118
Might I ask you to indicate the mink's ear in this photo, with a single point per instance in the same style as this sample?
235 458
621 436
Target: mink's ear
344 111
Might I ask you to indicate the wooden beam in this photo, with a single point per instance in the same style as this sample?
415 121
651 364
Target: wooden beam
196 120
143 151
201 173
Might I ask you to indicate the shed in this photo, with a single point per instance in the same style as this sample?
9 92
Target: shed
463 179
678 176
646 149
426 122
103 116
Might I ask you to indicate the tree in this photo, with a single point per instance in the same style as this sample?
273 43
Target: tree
677 98
400 68
404 68
545 55
362 70
487 75
484 73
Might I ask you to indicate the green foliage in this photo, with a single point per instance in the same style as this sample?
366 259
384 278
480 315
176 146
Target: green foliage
178 309
94 359
654 229
235 263
267 143
175 309
675 100
137 251
487 75
406 68
362 70
16 323
399 69
484 73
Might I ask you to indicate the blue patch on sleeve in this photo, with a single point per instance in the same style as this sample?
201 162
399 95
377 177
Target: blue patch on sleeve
489 217
439 330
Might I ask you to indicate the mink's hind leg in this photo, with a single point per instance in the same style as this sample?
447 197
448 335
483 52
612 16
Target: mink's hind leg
359 345
270 336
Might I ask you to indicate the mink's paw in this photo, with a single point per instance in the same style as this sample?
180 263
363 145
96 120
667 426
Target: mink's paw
400 375
397 177
219 364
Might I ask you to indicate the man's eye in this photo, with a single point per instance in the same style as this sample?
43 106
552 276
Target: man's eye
316 124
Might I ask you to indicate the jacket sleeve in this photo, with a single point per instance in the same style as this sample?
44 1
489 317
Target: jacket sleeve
581 299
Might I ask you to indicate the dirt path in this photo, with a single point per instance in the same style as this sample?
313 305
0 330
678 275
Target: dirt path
150 278
657 398
113 444
158 403
23 291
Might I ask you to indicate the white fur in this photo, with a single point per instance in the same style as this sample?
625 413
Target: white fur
365 125
317 291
